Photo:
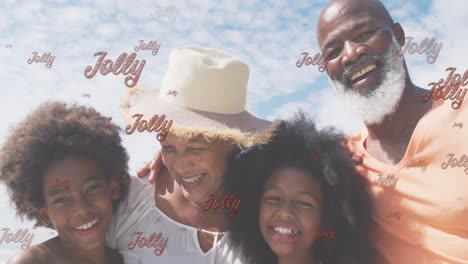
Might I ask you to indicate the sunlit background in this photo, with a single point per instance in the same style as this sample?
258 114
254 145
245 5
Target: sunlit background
269 35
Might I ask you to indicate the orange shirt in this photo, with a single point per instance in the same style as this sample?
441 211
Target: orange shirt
421 203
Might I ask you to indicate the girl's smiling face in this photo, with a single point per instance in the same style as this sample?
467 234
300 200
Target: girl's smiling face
290 212
78 202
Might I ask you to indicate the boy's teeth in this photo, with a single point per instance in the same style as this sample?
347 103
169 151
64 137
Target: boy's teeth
285 231
363 71
87 225
193 179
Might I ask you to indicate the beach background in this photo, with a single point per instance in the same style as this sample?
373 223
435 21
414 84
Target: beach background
270 35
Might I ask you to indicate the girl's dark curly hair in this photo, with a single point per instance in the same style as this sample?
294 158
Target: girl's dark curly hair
51 133
346 201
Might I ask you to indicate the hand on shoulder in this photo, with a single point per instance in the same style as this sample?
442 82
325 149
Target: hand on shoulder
153 168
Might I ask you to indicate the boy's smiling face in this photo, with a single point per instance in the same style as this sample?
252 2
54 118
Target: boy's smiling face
82 214
290 212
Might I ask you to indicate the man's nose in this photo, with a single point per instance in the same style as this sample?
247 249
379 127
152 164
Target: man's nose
352 51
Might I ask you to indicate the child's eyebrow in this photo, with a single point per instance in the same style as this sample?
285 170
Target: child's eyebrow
90 178
307 193
269 187
56 190
314 196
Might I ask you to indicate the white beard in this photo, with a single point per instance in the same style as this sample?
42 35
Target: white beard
383 100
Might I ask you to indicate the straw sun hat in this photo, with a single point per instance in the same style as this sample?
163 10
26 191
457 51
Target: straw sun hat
204 93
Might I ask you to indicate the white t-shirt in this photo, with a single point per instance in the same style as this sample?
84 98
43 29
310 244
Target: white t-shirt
143 234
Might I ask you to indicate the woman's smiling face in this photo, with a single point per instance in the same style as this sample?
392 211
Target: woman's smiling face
290 212
197 165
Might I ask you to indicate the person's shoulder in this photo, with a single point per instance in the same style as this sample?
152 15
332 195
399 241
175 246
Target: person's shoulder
139 187
34 255
140 195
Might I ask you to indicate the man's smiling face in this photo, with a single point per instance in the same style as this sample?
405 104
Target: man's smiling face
355 43
357 38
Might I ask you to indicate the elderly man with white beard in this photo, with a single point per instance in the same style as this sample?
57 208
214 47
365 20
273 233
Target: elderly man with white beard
361 43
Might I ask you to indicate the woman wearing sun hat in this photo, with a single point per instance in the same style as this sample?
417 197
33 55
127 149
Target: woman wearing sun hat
204 94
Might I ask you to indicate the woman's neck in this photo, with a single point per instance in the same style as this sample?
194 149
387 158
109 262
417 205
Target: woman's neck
298 259
175 205
205 213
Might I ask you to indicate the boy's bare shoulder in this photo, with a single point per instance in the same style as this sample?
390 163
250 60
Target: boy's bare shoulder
34 255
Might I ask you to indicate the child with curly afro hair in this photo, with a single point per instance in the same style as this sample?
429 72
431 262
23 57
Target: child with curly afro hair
65 168
302 199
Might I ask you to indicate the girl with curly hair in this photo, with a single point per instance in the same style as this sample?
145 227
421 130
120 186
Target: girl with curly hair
302 199
65 168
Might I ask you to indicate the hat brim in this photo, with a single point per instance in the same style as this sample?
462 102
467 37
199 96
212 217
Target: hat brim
240 127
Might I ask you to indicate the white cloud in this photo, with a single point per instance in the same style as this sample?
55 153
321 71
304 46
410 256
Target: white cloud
325 107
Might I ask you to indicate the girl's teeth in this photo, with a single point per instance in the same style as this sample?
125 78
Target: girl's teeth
87 225
285 231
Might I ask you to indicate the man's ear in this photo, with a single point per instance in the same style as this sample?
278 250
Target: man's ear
115 189
399 34
44 217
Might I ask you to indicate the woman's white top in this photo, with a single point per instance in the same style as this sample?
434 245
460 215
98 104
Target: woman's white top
143 234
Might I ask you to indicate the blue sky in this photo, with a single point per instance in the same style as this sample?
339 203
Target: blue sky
269 35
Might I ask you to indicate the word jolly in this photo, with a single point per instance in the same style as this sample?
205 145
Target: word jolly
394 215
152 45
427 46
326 233
417 164
153 241
317 60
21 236
170 12
449 88
460 125
390 180
157 124
45 58
315 156
229 202
453 162
123 64
172 93
64 184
